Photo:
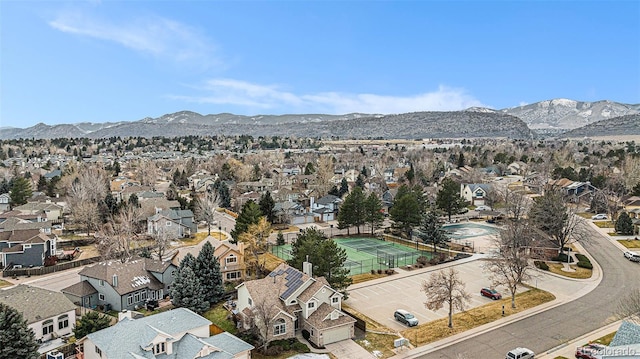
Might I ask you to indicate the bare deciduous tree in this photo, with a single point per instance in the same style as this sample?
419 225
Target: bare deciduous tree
206 207
116 237
510 266
324 174
86 215
445 286
629 306
264 316
162 240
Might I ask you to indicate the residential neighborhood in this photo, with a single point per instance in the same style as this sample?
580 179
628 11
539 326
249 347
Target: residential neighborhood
314 247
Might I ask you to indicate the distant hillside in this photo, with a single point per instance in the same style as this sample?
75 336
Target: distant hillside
628 125
460 124
563 114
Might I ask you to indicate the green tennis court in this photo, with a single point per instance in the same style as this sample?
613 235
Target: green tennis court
367 254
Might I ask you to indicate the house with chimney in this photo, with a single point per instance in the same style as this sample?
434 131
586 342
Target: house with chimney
26 248
288 301
230 257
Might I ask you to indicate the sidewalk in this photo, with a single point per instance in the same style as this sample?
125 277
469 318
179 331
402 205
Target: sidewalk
569 349
560 290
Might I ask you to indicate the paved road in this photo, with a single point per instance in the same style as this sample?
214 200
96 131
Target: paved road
553 327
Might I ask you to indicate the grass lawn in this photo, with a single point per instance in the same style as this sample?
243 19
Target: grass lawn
4 283
199 237
271 261
604 340
438 329
580 273
630 243
605 224
218 316
359 278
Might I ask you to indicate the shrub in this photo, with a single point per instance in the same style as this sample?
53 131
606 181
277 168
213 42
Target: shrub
379 271
541 265
373 271
582 258
562 258
422 260
586 265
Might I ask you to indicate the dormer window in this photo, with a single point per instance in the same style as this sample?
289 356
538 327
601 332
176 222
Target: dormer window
311 305
335 300
231 259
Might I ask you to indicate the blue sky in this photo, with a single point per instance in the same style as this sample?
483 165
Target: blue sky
97 61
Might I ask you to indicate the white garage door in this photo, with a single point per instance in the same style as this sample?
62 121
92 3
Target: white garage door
336 335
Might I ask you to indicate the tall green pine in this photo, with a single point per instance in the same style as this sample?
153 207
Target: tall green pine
208 272
17 340
20 191
249 214
187 292
624 224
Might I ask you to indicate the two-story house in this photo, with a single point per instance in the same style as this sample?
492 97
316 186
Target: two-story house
5 202
174 223
49 314
51 211
288 300
175 334
230 257
26 248
475 193
120 285
326 207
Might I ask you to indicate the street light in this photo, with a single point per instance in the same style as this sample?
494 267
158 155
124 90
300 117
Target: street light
220 232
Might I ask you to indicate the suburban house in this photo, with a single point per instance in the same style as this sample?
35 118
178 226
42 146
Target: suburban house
49 314
122 286
475 193
51 211
288 301
26 248
5 202
230 256
326 207
174 223
625 343
573 189
174 334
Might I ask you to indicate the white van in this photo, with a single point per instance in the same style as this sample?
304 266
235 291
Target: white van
520 353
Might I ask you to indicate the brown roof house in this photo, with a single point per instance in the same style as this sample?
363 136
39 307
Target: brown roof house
288 301
122 286
49 314
230 257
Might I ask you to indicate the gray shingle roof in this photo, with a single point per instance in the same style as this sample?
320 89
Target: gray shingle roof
34 303
132 276
134 334
627 334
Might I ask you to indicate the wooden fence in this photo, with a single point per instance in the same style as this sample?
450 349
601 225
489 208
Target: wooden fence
27 272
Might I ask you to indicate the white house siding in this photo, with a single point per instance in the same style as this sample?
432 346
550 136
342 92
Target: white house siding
37 327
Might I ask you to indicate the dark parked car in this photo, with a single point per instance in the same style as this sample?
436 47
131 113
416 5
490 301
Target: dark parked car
589 351
490 293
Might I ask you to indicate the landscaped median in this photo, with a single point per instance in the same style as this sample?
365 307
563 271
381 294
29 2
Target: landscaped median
380 338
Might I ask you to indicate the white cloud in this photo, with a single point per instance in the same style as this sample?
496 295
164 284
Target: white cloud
271 97
158 36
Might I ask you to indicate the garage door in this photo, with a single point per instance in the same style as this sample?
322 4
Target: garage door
336 335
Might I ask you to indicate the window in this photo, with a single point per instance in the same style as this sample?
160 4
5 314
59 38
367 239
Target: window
63 322
233 275
311 305
168 224
101 282
136 297
250 301
231 259
98 351
129 299
100 296
143 295
280 327
47 327
335 300
159 348
26 246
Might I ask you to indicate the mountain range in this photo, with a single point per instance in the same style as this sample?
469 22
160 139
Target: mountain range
558 117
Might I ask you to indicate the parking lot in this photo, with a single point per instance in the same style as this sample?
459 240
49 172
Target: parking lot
379 301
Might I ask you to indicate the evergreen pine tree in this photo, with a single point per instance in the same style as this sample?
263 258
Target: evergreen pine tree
42 184
208 273
267 205
188 261
624 224
344 187
249 214
89 323
187 292
20 191
17 340
280 239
